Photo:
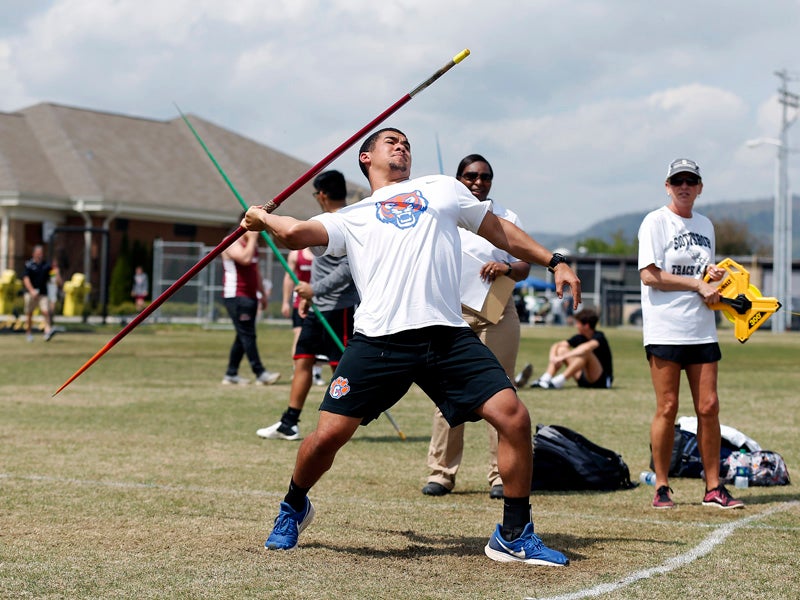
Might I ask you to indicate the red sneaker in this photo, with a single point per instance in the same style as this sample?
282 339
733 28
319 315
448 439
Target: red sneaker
721 498
662 498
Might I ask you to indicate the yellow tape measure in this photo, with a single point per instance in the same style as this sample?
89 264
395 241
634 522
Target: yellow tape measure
742 302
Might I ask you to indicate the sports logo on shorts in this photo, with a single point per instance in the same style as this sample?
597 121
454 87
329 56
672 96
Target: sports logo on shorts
403 210
339 387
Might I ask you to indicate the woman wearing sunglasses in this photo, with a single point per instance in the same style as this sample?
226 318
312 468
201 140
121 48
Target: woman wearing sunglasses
676 251
447 444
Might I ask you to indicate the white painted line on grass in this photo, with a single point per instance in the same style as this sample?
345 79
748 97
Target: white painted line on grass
706 546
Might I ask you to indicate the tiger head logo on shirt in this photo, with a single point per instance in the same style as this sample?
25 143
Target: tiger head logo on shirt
403 210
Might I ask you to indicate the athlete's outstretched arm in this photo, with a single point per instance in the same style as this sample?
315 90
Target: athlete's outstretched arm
507 236
291 232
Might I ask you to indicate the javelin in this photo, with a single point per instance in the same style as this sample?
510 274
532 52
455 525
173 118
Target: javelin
264 234
269 207
277 253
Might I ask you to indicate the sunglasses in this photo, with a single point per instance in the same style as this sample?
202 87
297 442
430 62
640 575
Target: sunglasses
679 181
472 176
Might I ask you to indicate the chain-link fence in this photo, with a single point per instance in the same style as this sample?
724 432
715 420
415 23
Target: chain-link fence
200 299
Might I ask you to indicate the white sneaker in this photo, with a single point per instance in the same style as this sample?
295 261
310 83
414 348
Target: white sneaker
545 385
318 380
234 380
279 431
267 378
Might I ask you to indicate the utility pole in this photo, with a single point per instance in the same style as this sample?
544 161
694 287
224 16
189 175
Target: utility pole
782 225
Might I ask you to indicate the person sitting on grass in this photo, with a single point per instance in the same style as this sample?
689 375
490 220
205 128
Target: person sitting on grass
585 357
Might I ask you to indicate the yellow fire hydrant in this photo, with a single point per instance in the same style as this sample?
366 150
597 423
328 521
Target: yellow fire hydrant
75 292
10 285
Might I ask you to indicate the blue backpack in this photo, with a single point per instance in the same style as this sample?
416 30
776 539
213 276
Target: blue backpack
686 460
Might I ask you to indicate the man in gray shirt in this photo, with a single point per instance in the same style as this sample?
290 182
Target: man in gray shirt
334 294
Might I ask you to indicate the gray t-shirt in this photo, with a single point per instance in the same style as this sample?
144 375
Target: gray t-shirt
333 283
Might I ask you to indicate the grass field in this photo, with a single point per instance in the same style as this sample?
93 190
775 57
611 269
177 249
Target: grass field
145 479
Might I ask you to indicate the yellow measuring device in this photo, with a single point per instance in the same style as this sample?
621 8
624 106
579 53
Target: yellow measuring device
742 302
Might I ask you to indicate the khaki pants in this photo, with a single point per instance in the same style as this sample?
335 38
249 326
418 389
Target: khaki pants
447 443
42 302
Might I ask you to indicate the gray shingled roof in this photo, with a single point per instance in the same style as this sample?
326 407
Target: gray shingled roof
24 167
145 169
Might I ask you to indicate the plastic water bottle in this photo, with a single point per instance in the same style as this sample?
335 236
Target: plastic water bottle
742 480
647 477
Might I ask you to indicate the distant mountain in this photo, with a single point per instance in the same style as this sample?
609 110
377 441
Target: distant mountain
756 215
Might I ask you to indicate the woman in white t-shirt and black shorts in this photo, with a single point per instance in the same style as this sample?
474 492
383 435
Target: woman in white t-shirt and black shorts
676 252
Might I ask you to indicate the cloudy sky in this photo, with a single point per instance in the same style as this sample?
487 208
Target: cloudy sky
578 104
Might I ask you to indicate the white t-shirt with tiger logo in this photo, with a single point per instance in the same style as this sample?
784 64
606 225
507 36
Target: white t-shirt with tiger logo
405 252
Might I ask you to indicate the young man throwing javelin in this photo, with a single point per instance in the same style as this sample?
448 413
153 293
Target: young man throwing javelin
405 256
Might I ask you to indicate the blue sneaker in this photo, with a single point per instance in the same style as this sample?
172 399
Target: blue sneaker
288 525
527 548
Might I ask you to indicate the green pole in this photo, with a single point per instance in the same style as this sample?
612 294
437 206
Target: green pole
277 253
264 234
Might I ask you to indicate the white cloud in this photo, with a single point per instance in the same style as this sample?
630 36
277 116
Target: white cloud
13 89
770 116
578 104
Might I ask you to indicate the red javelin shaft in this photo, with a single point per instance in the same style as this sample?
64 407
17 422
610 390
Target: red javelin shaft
269 207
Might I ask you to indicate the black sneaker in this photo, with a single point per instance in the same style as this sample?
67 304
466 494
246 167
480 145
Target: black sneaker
523 376
434 489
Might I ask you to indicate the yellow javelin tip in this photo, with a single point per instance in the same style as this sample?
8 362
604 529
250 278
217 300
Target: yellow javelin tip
461 55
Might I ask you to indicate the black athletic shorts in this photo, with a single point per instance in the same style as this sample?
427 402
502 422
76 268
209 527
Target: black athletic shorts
297 320
602 382
450 364
315 339
691 354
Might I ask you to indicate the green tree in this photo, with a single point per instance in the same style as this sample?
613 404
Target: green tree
617 246
119 288
733 238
